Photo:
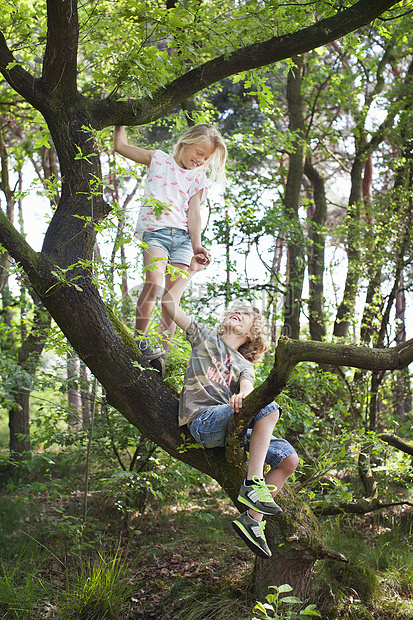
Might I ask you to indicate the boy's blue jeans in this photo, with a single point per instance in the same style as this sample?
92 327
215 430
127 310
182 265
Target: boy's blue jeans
210 428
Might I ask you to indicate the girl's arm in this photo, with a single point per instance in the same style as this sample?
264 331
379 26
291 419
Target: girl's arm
170 301
194 228
120 145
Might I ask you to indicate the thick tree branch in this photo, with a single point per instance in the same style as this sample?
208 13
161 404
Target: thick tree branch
19 79
396 442
59 63
361 507
291 352
144 110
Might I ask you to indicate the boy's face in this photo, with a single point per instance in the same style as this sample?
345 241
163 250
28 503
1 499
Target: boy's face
240 321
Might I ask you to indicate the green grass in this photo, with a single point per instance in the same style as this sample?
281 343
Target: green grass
179 560
20 592
99 590
377 582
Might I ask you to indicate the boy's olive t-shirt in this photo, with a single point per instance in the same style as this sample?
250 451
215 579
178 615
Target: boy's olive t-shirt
213 375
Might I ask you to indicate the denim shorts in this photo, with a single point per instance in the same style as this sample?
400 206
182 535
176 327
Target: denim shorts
176 243
210 428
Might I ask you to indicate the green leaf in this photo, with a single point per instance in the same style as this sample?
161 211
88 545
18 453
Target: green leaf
291 600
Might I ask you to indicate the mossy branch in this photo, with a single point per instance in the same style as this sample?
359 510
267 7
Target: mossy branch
288 354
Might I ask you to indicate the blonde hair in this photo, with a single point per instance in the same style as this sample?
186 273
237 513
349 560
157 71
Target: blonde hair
197 133
258 344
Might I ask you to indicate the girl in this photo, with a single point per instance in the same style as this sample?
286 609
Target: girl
170 218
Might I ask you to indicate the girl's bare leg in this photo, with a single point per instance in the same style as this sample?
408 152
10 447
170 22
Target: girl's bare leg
153 285
167 326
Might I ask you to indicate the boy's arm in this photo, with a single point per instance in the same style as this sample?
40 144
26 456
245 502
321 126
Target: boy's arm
121 146
194 228
245 388
170 300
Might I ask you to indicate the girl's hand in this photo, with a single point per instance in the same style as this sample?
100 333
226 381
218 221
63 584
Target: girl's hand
198 263
203 256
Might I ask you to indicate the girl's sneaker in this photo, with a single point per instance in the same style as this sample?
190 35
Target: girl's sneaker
258 497
154 354
252 533
159 364
150 352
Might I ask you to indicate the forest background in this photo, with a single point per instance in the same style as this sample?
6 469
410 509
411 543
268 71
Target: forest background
314 226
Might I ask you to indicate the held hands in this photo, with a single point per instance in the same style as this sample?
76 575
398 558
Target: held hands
202 254
199 262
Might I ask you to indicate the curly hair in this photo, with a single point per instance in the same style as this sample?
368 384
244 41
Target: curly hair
258 344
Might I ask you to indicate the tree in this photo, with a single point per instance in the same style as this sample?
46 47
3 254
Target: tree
61 274
26 343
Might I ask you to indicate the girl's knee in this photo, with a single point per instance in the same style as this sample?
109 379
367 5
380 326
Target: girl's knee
154 279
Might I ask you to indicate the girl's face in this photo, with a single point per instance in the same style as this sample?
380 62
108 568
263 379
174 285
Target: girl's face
194 155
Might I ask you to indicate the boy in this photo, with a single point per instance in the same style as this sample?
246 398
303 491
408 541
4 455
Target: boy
219 376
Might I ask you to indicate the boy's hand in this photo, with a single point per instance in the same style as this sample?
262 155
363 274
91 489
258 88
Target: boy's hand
198 262
236 402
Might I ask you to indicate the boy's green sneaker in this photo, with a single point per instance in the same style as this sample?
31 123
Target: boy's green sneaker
258 497
252 533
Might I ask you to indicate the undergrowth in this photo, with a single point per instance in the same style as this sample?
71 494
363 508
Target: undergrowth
179 559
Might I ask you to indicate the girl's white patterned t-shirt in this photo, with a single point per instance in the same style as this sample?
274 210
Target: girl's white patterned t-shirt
173 187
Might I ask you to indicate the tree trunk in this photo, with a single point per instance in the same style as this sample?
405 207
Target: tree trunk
402 396
278 571
295 239
28 358
73 393
19 424
85 394
316 254
295 542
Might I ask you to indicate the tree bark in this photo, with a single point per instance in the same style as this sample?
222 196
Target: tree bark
316 262
295 238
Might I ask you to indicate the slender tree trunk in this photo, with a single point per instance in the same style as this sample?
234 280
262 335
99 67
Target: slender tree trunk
10 202
316 262
31 345
295 240
19 424
73 394
28 359
85 394
275 285
402 396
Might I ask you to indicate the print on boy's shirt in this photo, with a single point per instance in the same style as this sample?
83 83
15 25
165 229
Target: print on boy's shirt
220 372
